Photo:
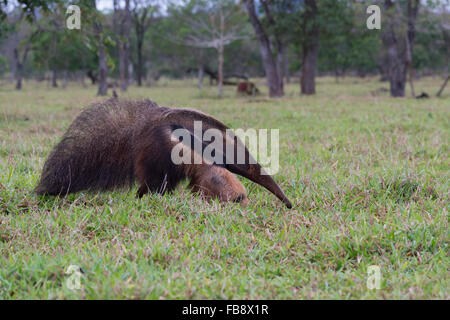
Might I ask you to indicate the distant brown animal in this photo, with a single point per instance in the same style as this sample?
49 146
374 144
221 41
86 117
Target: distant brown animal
113 143
247 88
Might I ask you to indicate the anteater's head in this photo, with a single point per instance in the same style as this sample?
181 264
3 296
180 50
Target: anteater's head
217 180
214 182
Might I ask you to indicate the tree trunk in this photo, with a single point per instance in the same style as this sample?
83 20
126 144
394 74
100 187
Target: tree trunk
397 81
442 87
279 65
220 73
395 64
286 67
19 77
140 63
19 63
310 49
123 67
141 24
124 18
19 69
126 35
397 72
102 72
200 75
54 82
399 58
270 65
309 65
410 37
102 65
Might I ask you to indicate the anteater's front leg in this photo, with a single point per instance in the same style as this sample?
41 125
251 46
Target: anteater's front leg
156 174
147 177
160 185
143 189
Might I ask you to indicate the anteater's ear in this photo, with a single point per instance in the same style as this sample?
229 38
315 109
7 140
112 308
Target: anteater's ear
250 169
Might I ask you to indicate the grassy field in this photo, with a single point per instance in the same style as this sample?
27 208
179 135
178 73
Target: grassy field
368 176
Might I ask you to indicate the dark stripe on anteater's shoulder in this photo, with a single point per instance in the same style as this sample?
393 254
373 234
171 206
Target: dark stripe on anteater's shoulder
192 140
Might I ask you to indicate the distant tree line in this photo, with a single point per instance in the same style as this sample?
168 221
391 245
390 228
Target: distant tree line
138 41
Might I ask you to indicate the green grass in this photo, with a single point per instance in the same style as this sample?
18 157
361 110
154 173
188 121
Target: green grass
368 175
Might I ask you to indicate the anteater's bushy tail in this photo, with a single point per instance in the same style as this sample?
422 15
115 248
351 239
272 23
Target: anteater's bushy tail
96 151
72 167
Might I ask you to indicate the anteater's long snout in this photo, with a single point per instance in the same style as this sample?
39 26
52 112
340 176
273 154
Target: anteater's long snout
254 173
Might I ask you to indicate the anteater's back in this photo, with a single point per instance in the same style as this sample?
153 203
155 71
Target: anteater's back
96 152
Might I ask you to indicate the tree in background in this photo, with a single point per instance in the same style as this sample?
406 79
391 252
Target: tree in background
346 45
271 54
47 48
18 33
444 25
122 27
310 47
143 15
28 8
37 28
212 24
398 41
99 39
21 52
300 22
432 41
65 52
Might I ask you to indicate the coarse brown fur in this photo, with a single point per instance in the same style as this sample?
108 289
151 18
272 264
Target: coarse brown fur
115 142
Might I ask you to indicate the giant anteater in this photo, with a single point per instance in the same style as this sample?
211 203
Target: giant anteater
115 142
